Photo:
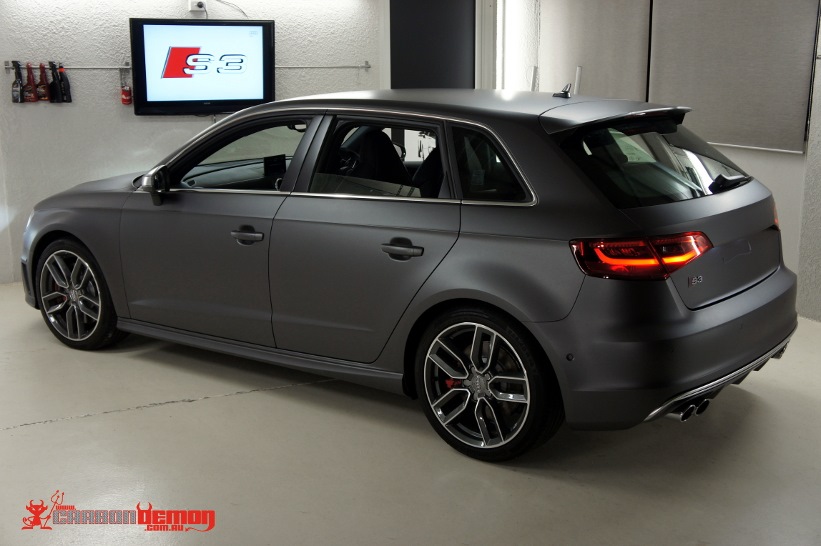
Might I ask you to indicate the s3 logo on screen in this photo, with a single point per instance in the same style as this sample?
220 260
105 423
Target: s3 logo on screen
184 62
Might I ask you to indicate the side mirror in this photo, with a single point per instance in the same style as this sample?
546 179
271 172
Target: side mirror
157 183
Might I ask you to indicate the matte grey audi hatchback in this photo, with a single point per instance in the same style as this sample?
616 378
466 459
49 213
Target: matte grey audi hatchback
512 260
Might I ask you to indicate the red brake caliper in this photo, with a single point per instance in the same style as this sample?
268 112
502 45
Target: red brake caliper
451 383
57 289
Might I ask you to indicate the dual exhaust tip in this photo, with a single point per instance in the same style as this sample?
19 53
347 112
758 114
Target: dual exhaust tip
685 412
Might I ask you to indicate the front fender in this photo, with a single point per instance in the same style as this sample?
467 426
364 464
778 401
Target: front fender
98 229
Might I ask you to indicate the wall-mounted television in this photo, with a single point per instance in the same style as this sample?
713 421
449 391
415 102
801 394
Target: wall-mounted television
208 66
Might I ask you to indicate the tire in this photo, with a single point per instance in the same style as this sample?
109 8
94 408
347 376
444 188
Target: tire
74 298
484 388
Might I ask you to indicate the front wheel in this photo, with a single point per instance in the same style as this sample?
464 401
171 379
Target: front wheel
484 388
74 298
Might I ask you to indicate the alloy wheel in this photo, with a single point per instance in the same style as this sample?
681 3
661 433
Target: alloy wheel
70 295
476 385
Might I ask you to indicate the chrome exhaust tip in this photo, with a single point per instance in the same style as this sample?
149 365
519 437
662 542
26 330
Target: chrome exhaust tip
683 414
702 406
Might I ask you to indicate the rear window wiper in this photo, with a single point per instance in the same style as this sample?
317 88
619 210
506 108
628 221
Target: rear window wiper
724 183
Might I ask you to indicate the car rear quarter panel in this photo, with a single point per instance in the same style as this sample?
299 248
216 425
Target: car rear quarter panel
516 256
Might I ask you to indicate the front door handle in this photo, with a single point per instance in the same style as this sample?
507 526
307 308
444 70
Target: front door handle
402 249
246 235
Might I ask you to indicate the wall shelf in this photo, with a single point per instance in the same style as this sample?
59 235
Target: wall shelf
8 67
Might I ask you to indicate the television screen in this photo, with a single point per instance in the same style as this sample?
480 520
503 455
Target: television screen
184 66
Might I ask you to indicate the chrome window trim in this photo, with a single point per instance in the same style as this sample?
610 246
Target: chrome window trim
503 203
344 196
318 110
374 197
223 190
395 198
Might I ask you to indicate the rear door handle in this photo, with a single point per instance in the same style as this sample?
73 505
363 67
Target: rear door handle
402 249
246 235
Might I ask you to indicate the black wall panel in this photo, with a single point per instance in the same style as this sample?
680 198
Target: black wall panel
432 43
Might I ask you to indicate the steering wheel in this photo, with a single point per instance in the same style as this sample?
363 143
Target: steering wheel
348 161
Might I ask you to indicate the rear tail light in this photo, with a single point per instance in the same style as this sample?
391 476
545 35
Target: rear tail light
651 258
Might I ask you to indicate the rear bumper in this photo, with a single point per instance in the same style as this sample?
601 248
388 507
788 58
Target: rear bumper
710 390
632 351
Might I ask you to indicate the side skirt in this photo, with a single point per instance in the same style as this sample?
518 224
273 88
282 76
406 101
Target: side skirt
338 369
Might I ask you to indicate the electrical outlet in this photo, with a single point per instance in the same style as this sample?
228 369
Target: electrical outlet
196 5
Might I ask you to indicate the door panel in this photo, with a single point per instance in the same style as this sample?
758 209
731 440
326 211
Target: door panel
335 290
199 262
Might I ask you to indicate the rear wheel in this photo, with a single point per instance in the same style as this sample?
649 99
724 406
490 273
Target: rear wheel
74 298
483 387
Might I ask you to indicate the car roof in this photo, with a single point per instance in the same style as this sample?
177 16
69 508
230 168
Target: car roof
556 113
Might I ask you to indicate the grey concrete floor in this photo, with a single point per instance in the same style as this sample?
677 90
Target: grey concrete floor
291 458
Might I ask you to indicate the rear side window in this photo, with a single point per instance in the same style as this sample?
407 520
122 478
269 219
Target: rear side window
390 159
637 165
484 174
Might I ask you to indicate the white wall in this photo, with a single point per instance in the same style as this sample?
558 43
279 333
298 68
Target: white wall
784 174
809 277
607 38
517 43
5 238
46 148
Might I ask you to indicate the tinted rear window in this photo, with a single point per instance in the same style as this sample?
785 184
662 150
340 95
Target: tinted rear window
645 164
483 173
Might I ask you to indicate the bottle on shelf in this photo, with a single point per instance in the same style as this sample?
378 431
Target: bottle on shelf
17 85
30 87
125 89
43 92
65 86
55 91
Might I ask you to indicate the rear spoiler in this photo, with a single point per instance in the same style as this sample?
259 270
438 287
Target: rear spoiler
574 115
